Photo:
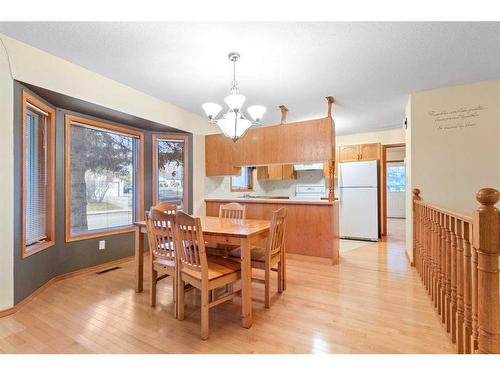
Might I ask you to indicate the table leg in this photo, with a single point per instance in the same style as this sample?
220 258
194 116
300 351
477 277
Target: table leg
246 284
139 259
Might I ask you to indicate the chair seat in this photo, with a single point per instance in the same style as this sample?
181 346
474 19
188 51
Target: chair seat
217 267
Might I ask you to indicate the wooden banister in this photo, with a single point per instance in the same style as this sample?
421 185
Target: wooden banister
486 241
457 257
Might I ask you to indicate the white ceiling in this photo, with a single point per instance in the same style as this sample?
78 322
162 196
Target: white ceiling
370 68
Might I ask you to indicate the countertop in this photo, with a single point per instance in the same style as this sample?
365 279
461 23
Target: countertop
265 200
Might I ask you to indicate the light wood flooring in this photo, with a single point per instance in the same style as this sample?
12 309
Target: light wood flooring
373 302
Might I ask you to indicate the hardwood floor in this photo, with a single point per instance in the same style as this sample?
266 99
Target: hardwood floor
372 302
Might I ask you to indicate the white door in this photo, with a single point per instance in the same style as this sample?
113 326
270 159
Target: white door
359 213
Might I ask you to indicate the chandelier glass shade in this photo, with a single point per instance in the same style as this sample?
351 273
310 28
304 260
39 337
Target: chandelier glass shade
233 122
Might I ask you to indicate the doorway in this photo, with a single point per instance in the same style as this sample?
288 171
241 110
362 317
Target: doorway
393 189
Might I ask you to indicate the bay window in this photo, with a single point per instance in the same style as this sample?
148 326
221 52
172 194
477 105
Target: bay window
103 178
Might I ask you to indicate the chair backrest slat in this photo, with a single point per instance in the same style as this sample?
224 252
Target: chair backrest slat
190 243
276 239
232 211
160 229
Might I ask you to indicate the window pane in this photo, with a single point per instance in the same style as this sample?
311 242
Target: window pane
103 176
244 181
36 178
396 178
170 184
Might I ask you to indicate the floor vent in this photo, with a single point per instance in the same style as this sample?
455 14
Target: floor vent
108 270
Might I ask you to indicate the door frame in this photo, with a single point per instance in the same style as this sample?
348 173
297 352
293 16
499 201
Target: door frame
383 178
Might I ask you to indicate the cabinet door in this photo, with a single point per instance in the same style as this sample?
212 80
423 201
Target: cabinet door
275 172
369 151
262 173
219 156
287 172
349 153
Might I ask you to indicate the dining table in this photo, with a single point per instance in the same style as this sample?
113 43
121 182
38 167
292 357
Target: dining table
240 232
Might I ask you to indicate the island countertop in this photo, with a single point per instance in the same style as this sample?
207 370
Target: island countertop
312 225
322 202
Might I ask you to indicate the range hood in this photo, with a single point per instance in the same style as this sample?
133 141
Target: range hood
308 167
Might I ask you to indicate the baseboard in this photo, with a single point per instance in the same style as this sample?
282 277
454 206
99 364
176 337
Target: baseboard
408 257
64 276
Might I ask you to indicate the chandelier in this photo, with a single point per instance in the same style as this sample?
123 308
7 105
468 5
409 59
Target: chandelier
233 123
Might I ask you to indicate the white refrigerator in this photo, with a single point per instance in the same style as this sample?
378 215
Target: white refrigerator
358 194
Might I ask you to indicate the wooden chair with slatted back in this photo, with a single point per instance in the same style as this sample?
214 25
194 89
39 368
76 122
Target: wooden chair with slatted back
231 210
271 257
197 269
165 207
161 240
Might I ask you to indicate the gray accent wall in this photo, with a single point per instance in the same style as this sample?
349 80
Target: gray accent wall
34 271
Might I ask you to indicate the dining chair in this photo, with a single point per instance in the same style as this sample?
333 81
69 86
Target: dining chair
271 257
161 240
200 271
231 210
163 206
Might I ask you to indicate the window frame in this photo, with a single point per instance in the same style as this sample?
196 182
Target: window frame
238 190
51 167
100 125
154 166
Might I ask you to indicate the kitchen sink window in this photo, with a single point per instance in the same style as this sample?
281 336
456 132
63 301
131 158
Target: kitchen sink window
244 182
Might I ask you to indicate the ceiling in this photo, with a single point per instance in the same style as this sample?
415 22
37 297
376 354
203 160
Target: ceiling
370 68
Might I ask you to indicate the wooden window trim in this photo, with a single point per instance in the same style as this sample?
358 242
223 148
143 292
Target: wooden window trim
166 136
51 167
68 121
237 190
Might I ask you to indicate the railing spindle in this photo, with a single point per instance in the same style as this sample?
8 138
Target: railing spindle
453 276
467 289
460 285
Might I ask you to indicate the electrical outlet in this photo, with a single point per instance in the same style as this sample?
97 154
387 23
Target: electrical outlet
102 244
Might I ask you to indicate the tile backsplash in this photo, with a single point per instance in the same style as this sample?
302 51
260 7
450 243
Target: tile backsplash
220 187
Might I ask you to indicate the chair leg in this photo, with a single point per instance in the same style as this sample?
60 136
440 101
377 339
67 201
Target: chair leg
204 312
267 286
152 293
180 299
283 271
174 292
280 277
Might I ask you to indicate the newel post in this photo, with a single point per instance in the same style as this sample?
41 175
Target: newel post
486 233
284 112
331 162
416 222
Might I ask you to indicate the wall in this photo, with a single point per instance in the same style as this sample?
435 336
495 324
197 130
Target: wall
220 187
454 145
384 137
6 187
39 68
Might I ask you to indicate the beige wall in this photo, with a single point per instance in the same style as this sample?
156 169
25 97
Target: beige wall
39 68
385 137
6 187
455 144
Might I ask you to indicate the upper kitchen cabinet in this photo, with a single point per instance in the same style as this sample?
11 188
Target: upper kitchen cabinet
349 153
368 151
276 172
299 142
219 156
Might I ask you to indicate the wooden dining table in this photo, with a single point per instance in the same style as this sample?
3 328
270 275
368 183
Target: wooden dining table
240 232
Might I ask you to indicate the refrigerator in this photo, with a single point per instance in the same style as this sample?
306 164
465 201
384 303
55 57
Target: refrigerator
358 195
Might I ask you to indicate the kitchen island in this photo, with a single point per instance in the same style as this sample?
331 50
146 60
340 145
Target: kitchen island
312 225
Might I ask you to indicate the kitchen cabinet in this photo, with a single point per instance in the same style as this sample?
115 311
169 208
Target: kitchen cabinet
219 156
361 152
299 142
276 172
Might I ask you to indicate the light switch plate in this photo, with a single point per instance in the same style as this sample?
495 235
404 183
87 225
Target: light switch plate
102 244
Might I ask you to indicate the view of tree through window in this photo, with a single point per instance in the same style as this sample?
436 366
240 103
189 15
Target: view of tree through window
170 181
396 177
103 176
